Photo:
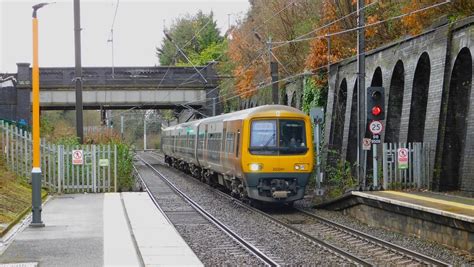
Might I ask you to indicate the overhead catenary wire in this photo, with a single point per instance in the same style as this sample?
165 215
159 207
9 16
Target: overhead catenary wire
189 41
344 31
176 54
245 68
288 5
261 25
326 25
365 26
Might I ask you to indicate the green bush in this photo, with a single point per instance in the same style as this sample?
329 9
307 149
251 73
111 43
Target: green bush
339 178
125 178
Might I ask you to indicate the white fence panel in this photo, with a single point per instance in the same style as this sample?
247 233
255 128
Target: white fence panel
417 175
98 173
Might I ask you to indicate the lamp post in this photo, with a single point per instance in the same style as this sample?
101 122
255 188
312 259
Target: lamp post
36 170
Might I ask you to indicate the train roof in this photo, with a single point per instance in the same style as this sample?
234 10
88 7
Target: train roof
241 114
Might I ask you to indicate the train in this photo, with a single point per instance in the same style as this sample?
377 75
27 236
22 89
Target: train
262 154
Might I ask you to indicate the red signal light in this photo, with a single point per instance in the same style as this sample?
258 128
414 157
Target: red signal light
376 110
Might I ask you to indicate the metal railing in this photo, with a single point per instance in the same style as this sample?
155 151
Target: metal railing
417 173
97 173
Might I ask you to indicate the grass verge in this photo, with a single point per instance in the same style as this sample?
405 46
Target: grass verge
15 198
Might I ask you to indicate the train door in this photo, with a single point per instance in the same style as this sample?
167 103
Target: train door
223 151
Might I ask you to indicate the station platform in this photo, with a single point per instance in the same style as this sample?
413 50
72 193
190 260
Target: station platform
443 218
447 205
111 229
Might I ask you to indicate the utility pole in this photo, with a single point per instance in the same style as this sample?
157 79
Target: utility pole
144 132
121 126
111 41
361 94
78 72
214 106
273 73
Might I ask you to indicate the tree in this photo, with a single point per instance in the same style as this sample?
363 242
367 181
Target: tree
197 36
248 51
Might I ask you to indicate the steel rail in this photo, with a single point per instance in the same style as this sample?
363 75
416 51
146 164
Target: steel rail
145 187
264 258
398 249
404 251
322 243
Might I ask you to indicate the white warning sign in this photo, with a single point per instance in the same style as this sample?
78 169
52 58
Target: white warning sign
77 157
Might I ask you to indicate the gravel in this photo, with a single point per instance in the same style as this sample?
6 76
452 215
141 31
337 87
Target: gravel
212 246
284 246
446 254
281 245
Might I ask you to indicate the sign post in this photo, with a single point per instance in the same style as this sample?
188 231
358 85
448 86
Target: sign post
376 128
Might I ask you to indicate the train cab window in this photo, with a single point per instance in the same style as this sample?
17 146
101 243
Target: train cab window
273 137
263 137
292 137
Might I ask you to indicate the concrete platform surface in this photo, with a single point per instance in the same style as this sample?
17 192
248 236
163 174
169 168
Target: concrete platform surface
457 207
112 229
158 241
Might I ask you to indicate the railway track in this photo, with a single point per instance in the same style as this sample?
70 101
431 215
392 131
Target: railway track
316 242
359 247
373 249
228 246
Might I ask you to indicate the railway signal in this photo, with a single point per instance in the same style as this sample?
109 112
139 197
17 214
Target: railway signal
375 103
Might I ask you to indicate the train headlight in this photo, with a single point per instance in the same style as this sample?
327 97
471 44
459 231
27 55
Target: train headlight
301 166
255 167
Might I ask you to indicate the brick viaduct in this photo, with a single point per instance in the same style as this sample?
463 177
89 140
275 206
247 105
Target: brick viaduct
429 98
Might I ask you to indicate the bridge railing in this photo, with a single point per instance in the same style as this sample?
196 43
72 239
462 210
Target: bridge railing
164 76
97 173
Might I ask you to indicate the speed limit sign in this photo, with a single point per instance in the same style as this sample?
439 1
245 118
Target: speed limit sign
376 127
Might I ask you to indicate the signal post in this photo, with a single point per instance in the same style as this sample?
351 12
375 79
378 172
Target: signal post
375 115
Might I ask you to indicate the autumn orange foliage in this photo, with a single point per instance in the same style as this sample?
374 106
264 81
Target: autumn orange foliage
376 33
284 20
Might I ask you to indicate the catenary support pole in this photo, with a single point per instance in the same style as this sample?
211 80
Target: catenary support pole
144 132
78 72
361 95
121 126
274 74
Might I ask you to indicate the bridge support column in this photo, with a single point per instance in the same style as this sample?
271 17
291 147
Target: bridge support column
103 116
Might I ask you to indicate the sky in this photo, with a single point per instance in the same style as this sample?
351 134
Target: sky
138 29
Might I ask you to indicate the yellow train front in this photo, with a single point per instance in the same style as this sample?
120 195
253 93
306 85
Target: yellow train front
263 153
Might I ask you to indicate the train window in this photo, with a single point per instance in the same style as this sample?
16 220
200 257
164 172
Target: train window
263 137
292 137
229 143
289 139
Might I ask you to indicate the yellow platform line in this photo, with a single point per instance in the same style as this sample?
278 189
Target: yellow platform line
437 201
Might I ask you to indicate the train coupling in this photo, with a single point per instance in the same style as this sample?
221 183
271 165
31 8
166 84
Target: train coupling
280 194
277 188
